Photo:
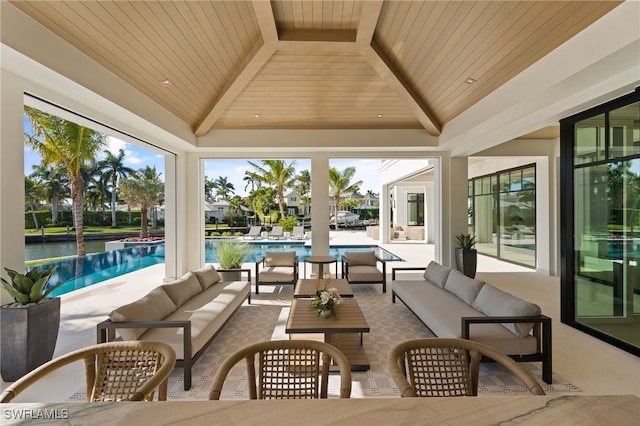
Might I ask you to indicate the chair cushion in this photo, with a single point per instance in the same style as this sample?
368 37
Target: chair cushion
462 286
495 302
207 276
286 258
367 258
277 274
436 273
183 288
156 305
365 274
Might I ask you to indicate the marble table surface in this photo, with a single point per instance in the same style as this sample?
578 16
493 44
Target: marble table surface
484 410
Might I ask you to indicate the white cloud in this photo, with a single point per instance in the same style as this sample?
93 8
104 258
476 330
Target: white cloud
114 145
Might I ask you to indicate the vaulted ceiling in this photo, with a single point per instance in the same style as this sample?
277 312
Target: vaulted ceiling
299 64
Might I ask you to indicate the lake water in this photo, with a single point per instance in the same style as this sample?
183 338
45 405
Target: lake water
36 251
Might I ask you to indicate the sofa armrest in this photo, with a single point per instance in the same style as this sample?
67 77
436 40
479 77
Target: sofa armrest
541 331
106 330
406 268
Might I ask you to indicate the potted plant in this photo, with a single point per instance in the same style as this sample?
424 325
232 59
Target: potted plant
466 255
30 324
231 255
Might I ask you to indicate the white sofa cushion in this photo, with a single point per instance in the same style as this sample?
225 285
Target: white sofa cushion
367 258
494 302
277 274
156 305
207 312
207 276
443 310
462 286
286 258
436 273
361 273
183 288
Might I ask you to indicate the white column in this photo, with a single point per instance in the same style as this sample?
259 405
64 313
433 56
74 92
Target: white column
11 175
320 204
454 206
190 206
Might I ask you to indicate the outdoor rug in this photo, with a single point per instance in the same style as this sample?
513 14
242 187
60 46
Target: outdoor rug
265 319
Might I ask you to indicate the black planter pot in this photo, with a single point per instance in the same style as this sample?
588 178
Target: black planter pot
467 261
28 337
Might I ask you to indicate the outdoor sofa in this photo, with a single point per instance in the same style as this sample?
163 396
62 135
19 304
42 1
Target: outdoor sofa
186 314
451 304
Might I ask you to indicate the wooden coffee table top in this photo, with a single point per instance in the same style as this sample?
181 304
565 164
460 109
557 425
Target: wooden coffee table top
350 319
307 287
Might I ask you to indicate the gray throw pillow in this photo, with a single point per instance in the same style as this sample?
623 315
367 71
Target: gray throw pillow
155 306
183 288
436 273
462 286
207 276
494 302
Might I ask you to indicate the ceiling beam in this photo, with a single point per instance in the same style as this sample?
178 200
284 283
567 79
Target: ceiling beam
250 66
394 79
368 21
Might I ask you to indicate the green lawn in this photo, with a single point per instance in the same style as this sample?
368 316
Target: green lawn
90 230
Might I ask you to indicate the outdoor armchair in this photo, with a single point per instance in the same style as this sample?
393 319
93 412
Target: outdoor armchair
277 268
361 268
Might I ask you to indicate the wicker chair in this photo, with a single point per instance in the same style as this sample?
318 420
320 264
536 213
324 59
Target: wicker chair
116 371
447 367
287 369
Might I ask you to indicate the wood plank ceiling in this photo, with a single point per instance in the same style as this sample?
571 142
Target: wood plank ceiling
316 64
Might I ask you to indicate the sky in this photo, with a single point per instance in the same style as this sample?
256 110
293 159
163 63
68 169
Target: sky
233 170
138 157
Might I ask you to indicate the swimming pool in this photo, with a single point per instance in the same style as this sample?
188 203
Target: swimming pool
77 273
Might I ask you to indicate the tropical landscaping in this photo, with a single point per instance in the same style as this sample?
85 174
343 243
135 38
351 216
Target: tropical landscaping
73 192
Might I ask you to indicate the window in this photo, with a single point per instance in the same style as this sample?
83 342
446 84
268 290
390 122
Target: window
502 211
415 209
600 157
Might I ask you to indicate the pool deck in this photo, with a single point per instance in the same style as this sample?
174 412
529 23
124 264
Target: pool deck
82 309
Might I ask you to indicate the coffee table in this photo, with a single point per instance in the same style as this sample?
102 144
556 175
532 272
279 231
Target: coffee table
345 332
306 288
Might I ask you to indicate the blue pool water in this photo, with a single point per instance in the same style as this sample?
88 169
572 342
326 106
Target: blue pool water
77 273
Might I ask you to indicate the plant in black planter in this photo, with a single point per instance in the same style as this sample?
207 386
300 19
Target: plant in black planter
466 255
30 324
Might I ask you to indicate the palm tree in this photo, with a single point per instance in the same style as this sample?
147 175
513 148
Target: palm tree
64 143
340 185
114 168
152 174
252 179
55 184
33 192
279 175
223 188
304 188
143 190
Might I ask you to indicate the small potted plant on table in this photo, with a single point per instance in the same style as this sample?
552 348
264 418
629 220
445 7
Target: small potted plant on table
30 324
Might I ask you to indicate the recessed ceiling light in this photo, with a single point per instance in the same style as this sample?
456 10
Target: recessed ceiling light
379 115
256 116
166 82
470 80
